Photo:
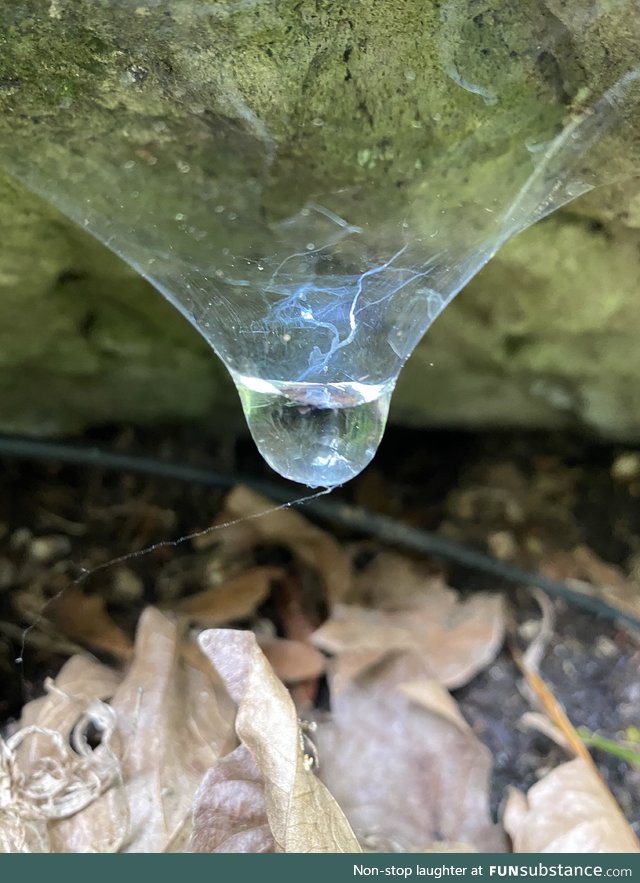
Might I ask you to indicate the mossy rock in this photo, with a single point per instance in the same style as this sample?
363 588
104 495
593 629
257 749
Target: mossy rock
303 96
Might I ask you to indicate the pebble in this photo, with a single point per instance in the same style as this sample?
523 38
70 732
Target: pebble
502 545
127 585
20 539
626 466
47 548
605 647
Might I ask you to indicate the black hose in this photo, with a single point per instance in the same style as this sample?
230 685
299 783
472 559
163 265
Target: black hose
355 518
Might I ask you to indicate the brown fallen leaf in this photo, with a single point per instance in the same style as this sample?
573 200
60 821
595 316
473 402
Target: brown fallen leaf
293 661
587 573
457 638
55 778
175 725
84 619
312 546
229 809
301 813
167 723
80 680
235 599
403 764
569 810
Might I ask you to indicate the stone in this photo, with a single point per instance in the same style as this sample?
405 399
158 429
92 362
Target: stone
344 94
543 337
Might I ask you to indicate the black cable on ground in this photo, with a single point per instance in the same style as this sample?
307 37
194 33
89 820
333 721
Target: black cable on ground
389 530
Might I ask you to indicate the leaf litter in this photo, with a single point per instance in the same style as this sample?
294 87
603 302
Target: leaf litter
190 740
456 638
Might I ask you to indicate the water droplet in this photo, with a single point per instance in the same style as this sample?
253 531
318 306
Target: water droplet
318 434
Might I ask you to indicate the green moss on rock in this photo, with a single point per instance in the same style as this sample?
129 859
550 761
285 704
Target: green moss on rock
314 95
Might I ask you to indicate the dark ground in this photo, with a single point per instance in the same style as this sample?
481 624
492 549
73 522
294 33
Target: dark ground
522 496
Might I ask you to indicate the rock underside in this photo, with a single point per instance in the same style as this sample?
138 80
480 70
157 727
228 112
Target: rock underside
544 336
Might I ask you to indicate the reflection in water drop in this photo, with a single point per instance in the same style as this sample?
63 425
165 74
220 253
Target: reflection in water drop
321 435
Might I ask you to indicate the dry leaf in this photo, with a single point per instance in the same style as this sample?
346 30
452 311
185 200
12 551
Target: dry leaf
293 661
302 814
84 619
80 680
22 830
539 722
166 725
456 638
235 599
54 778
286 527
388 581
589 574
569 810
229 810
175 725
408 772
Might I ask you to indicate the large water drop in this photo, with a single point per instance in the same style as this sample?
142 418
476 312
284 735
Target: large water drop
321 435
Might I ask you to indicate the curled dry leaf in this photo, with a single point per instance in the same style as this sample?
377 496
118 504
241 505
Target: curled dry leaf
539 722
52 776
569 810
237 598
456 638
402 762
229 810
286 527
175 725
166 725
81 680
301 813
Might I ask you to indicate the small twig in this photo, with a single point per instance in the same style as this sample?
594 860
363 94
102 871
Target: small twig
554 710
